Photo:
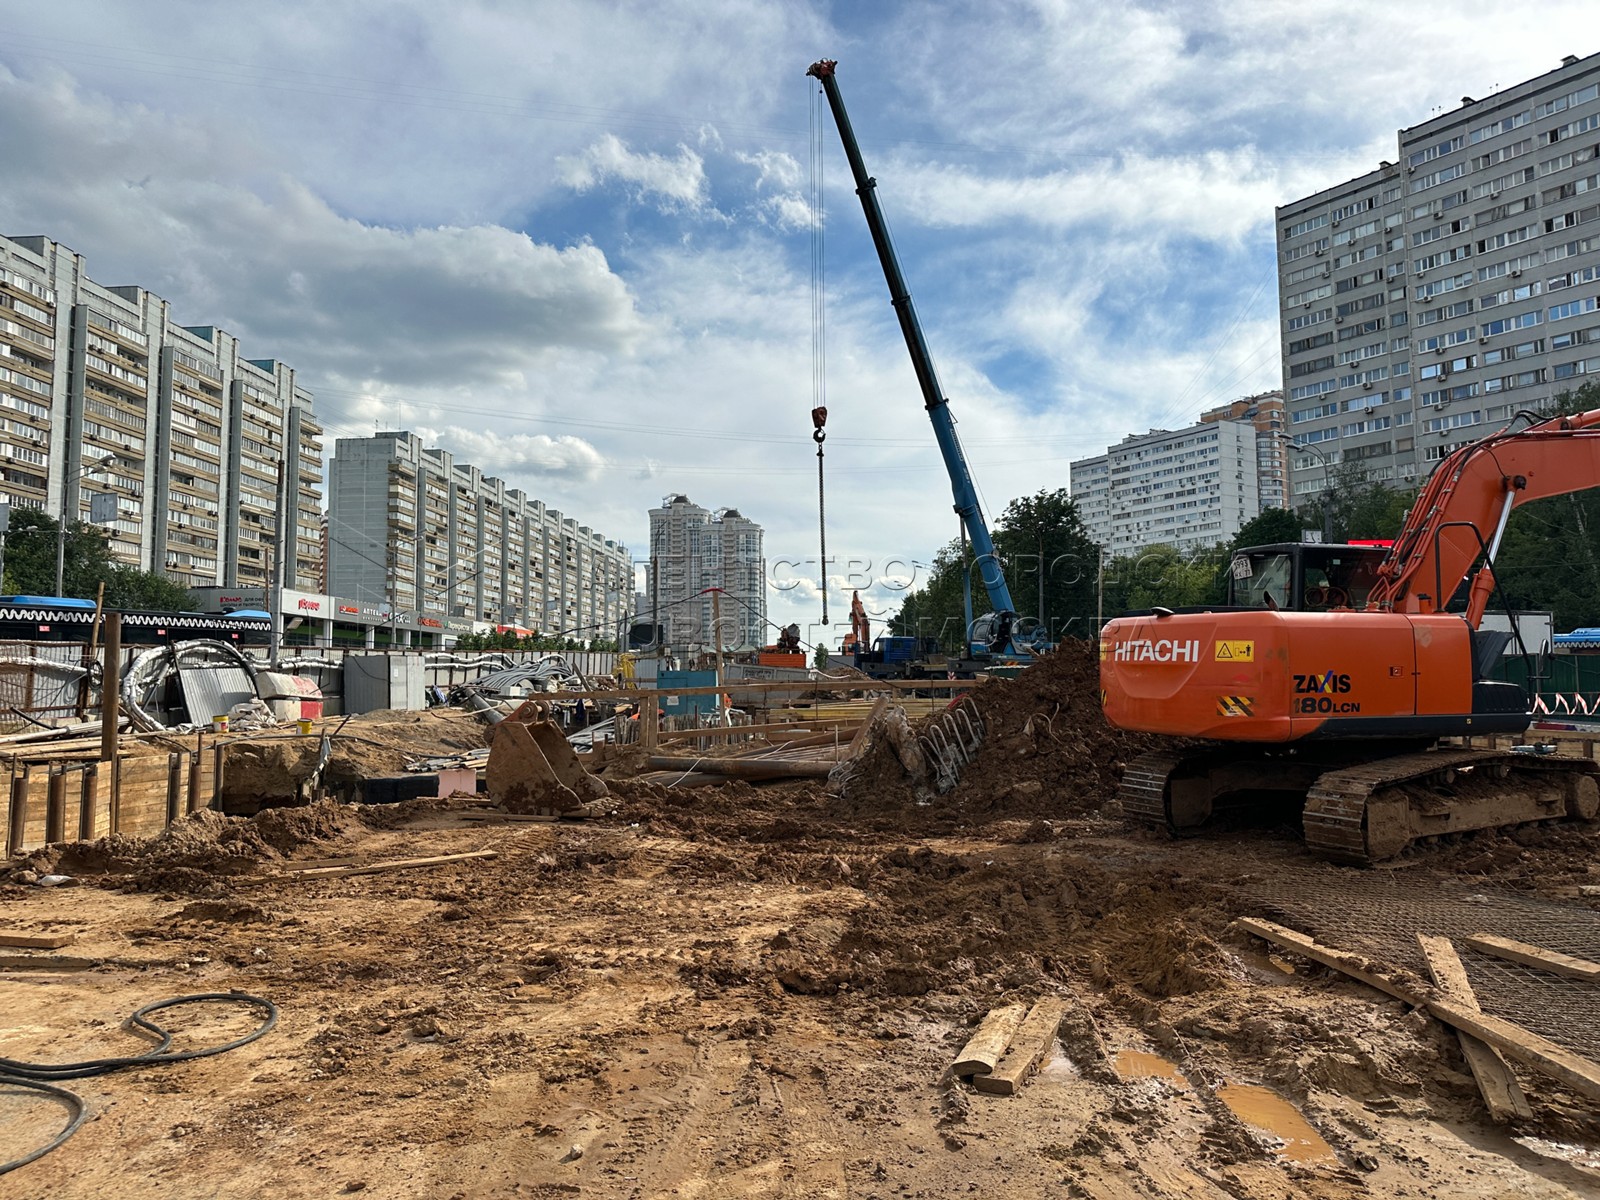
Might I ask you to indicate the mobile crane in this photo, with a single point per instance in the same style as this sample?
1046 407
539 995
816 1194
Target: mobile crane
1344 706
1000 633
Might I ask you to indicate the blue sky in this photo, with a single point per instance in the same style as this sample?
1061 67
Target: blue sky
571 242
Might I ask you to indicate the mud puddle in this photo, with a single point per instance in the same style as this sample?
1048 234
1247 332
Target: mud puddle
1263 1109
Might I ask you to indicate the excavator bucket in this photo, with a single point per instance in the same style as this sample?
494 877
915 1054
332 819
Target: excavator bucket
563 762
519 776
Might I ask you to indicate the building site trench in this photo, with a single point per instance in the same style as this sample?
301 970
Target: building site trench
759 990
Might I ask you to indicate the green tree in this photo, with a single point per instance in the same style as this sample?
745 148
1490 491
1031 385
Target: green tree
1272 526
1043 535
1038 538
130 588
1360 507
1549 559
1160 575
31 545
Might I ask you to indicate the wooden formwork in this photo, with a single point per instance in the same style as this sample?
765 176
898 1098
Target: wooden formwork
70 799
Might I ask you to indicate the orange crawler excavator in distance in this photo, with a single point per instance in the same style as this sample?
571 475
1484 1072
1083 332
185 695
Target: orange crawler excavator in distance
1344 708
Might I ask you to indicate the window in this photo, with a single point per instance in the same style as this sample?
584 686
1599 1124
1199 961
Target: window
1437 150
1573 187
1568 220
1446 312
1573 308
1458 420
1504 154
1570 100
1496 128
1444 175
1525 321
1305 226
1511 295
1494 187
1509 237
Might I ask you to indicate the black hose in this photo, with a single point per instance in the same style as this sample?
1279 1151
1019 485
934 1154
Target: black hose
14 1073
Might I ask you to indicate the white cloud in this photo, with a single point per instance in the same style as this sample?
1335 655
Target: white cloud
679 181
571 459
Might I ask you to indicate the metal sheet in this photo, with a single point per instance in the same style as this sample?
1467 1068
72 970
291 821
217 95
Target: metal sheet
213 691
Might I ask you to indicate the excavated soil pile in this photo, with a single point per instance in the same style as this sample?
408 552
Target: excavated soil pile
1009 919
203 851
1047 751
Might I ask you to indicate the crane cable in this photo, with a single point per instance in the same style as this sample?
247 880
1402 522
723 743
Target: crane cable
819 339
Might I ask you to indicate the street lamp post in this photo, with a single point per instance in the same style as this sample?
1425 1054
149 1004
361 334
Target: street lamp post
61 528
1327 479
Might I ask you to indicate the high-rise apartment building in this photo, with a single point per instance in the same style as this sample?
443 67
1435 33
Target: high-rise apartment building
1427 302
102 391
1187 488
415 532
692 549
1265 412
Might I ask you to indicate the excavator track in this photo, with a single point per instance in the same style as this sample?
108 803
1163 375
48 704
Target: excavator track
1144 789
1366 812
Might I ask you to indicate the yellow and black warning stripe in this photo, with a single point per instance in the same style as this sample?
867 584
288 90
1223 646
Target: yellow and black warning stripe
1236 706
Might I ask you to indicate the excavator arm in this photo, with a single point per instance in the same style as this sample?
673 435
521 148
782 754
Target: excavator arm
1462 510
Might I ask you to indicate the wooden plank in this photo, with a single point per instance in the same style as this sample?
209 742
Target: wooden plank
985 1047
858 744
310 864
1502 1094
1521 1044
46 962
724 731
1534 956
399 864
1370 973
745 768
55 821
503 818
1034 1039
38 941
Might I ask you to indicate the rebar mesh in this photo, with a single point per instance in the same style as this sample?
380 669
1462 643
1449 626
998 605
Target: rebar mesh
1379 914
40 679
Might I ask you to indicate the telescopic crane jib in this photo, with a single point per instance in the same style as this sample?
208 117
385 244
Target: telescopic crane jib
996 631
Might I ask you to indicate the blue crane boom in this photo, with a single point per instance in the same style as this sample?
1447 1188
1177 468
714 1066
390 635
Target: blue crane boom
996 627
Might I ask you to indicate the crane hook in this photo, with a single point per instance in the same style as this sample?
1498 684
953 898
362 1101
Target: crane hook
819 418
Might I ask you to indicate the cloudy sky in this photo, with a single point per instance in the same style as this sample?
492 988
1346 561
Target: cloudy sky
572 241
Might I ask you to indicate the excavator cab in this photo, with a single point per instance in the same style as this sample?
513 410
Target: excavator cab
1303 576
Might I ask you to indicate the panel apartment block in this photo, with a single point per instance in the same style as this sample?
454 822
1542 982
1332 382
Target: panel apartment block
692 549
1428 302
1266 415
102 391
1188 488
416 532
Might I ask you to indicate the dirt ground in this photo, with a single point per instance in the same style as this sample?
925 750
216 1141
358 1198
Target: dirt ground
758 991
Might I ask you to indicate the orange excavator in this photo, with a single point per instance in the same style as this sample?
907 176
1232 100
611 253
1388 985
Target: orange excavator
860 635
1303 687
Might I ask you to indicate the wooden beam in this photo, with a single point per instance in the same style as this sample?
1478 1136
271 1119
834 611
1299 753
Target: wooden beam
399 864
745 768
794 685
1502 1094
1035 1038
725 731
985 1047
1534 956
649 722
1521 1044
38 941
